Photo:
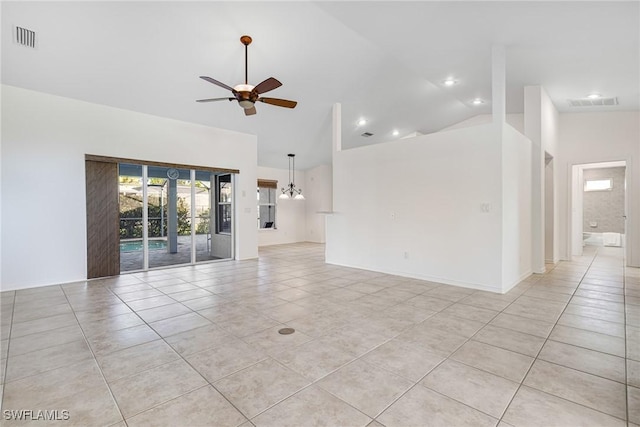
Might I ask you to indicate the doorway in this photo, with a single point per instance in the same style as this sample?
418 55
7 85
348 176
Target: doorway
599 205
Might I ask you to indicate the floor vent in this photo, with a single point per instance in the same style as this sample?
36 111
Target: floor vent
367 134
598 102
25 37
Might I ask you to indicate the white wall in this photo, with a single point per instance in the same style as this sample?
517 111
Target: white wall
516 207
515 120
421 197
541 126
44 140
550 212
600 137
290 214
550 129
549 123
319 192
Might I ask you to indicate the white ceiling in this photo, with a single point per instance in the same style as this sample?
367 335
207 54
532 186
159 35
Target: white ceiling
384 61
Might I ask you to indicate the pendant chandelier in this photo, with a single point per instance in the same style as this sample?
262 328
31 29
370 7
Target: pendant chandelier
291 192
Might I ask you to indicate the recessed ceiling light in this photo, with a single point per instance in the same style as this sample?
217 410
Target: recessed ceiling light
477 101
362 122
396 133
594 96
450 82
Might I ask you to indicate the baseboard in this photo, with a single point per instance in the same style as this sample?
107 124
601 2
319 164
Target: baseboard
444 281
522 277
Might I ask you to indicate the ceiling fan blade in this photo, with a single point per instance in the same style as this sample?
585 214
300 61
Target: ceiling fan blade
279 102
250 111
217 83
267 85
215 99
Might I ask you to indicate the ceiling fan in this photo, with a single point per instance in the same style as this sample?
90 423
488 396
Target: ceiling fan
246 94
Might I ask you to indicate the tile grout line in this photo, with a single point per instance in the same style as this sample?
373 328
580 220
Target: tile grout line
543 344
187 362
6 361
546 340
416 383
316 381
454 351
364 354
113 398
370 350
626 355
208 383
260 311
358 358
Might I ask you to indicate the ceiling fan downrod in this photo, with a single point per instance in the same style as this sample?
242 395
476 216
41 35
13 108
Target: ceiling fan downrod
246 41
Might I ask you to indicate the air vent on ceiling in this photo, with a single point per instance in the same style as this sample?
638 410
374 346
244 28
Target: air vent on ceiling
597 102
367 134
25 37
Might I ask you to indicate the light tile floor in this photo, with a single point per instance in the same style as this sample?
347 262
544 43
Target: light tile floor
199 345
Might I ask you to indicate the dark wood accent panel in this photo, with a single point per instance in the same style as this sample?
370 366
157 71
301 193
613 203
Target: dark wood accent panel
103 219
116 160
267 183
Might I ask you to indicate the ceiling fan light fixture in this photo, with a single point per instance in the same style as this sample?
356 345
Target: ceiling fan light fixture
246 104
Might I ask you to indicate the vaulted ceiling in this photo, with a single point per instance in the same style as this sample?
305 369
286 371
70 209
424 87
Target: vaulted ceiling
385 62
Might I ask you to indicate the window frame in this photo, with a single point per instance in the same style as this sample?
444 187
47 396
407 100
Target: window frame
587 181
272 187
221 204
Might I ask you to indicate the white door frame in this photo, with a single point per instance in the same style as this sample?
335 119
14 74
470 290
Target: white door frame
575 211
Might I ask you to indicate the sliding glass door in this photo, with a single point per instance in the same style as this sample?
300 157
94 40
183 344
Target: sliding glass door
204 213
131 213
173 216
222 234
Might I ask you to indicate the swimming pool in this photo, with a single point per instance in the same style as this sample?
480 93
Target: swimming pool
136 245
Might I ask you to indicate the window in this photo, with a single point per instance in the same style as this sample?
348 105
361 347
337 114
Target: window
223 223
598 185
267 203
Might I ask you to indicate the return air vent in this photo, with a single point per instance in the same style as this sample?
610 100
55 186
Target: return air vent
25 37
598 102
367 134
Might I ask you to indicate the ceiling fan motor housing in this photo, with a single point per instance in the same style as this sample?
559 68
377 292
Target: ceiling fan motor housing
246 95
